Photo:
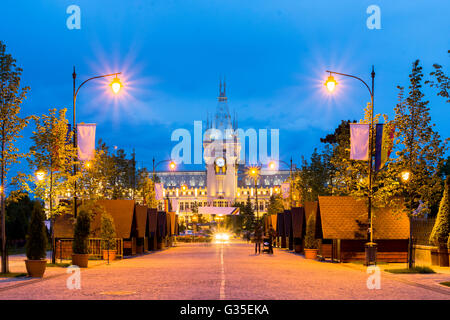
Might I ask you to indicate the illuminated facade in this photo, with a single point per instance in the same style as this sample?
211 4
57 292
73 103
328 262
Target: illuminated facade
224 181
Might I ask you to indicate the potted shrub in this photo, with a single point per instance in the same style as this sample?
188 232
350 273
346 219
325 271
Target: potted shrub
440 234
36 243
310 238
80 246
108 235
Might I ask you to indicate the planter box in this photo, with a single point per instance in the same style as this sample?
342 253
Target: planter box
310 253
36 268
80 260
112 255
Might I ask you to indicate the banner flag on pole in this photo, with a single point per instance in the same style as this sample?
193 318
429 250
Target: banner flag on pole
359 141
159 191
383 145
285 189
86 141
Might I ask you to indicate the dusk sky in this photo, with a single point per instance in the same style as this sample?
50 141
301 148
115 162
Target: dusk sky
172 54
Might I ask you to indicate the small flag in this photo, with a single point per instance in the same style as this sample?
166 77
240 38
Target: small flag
383 145
159 191
285 189
359 141
86 141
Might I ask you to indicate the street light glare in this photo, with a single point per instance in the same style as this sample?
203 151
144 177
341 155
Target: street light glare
405 175
272 165
116 85
40 175
172 165
330 83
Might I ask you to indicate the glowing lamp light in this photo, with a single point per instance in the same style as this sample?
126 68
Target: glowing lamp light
40 175
172 165
88 165
116 85
183 188
331 83
272 165
405 175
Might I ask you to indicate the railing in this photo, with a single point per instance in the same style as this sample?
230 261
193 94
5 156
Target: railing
64 248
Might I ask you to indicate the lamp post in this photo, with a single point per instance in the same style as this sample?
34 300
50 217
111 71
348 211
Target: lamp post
253 172
172 166
405 177
273 166
116 85
331 84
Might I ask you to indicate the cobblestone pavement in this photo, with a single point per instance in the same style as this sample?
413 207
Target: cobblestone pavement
224 271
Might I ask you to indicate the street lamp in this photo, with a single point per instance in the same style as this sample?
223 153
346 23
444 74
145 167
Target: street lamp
172 166
331 84
116 85
405 177
253 172
273 166
40 175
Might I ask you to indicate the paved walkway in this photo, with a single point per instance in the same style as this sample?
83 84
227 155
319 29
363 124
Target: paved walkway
224 271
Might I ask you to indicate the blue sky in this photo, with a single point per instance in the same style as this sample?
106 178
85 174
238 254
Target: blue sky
173 52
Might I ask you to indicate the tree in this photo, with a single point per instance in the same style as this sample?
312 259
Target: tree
11 126
314 178
248 215
53 154
18 213
310 236
441 229
108 232
440 81
419 147
146 188
37 234
81 232
275 204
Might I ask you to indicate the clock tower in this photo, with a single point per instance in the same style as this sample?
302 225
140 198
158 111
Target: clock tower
221 153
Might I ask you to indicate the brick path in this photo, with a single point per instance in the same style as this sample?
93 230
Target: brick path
224 271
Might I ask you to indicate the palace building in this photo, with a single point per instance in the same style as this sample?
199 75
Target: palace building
223 182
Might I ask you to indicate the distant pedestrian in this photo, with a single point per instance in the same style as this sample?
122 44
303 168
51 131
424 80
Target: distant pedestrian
258 238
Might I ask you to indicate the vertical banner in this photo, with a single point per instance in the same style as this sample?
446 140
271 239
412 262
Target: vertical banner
359 141
86 141
383 145
285 190
159 191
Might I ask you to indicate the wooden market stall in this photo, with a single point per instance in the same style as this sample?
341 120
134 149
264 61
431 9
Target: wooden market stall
342 224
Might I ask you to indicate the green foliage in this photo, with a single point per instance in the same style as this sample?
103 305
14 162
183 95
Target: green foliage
82 231
37 234
417 269
440 81
53 153
18 213
248 215
441 229
419 147
110 175
11 126
146 188
314 178
108 232
275 204
310 237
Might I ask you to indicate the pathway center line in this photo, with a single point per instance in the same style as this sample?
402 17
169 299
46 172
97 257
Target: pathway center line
222 275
